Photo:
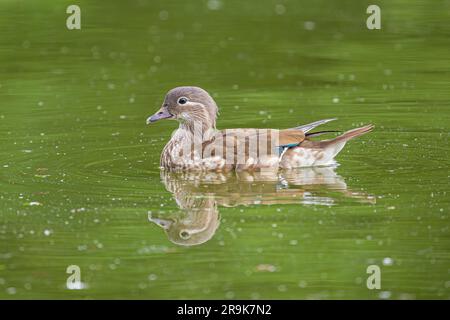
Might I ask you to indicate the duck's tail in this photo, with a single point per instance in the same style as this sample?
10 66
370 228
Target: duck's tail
353 133
334 146
322 153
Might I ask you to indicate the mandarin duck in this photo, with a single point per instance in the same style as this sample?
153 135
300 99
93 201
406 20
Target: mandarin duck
198 145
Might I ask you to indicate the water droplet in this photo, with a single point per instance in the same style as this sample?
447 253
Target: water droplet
309 25
163 15
388 261
280 9
152 277
214 4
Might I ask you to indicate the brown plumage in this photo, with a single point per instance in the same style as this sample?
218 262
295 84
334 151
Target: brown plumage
198 145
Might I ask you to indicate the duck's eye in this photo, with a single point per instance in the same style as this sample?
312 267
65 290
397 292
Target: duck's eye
182 100
184 234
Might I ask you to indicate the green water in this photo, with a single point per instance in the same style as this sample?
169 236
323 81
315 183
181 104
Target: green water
79 176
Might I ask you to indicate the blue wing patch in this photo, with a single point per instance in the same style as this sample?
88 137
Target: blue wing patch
283 147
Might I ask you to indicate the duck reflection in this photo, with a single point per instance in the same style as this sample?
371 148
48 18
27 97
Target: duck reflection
200 194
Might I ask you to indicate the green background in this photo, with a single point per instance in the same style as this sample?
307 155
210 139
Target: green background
79 168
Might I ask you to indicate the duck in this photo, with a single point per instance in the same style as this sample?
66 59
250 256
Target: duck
199 146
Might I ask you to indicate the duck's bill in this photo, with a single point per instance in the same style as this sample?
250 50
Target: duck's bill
163 223
161 114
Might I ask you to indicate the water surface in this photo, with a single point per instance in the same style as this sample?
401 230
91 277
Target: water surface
79 177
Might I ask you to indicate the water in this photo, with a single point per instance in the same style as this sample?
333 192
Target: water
79 176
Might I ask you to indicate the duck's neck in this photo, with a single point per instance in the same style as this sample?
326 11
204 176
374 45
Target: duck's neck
198 132
183 141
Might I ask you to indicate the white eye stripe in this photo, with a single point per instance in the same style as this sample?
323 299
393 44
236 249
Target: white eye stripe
182 100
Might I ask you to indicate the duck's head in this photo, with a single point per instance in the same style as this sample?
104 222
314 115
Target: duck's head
192 227
190 106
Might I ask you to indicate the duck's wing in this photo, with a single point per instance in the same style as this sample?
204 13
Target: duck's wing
291 137
308 127
273 137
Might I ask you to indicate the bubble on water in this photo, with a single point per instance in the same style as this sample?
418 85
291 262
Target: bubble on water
282 288
11 290
34 203
142 286
293 242
47 232
155 249
255 296
179 35
163 15
64 50
406 296
214 4
280 9
384 295
388 261
335 100
40 103
266 268
152 277
309 25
